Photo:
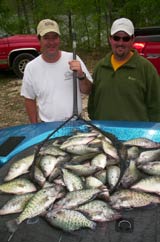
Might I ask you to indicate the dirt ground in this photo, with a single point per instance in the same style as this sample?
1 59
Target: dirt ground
12 111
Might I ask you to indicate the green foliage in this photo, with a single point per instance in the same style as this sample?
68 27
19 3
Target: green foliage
90 19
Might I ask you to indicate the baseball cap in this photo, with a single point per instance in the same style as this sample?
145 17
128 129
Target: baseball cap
47 25
122 24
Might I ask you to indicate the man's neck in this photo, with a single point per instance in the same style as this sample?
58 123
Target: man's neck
120 59
52 58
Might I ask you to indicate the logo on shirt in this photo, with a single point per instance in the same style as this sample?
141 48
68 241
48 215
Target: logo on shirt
131 78
68 75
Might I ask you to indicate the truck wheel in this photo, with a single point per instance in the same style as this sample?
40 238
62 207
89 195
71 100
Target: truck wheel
20 62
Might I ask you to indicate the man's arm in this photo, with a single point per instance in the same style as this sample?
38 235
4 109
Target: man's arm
85 86
31 109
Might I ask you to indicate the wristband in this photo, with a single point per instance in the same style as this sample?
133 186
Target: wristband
82 77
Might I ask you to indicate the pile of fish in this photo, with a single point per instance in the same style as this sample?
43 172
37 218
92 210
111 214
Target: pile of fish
80 180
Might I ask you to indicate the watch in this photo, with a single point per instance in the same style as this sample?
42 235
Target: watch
82 77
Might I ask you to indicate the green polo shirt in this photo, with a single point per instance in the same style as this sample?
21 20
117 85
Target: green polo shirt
131 93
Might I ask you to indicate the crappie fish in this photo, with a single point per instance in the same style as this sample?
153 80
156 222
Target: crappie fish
109 149
59 181
38 176
133 153
52 150
96 142
72 181
69 220
19 167
78 134
75 198
151 168
101 175
113 174
54 174
148 156
81 158
47 163
99 211
16 204
132 199
99 160
76 141
18 186
81 149
93 182
143 143
149 184
131 175
38 204
63 159
87 172
83 170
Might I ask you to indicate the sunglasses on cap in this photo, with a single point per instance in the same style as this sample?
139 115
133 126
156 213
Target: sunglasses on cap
118 38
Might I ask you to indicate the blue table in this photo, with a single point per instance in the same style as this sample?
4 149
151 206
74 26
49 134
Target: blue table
36 133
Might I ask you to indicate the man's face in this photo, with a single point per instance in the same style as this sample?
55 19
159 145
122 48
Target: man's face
50 43
121 44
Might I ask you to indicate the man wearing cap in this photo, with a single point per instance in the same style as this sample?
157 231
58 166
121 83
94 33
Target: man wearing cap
126 86
47 84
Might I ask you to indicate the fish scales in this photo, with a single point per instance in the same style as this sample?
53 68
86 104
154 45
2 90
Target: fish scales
52 150
149 184
132 199
93 182
18 186
109 149
83 170
38 204
76 141
72 181
148 156
99 160
19 168
143 143
99 210
151 168
16 204
69 220
81 149
47 163
131 175
75 198
91 150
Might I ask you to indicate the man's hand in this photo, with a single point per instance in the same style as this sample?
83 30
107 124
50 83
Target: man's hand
75 65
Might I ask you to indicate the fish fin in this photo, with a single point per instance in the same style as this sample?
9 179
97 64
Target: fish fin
12 225
33 220
2 212
93 226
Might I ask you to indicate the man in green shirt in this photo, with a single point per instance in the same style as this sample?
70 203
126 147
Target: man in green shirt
126 86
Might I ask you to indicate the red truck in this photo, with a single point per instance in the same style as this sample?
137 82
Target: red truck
147 43
17 50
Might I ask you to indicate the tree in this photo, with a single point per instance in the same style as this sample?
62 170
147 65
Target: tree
90 19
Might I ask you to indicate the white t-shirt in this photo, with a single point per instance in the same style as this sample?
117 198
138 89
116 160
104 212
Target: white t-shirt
51 84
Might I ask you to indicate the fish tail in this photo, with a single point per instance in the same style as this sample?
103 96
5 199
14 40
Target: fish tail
93 225
104 192
12 225
116 216
2 212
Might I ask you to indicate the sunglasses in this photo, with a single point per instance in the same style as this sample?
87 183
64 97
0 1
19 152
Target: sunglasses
118 38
